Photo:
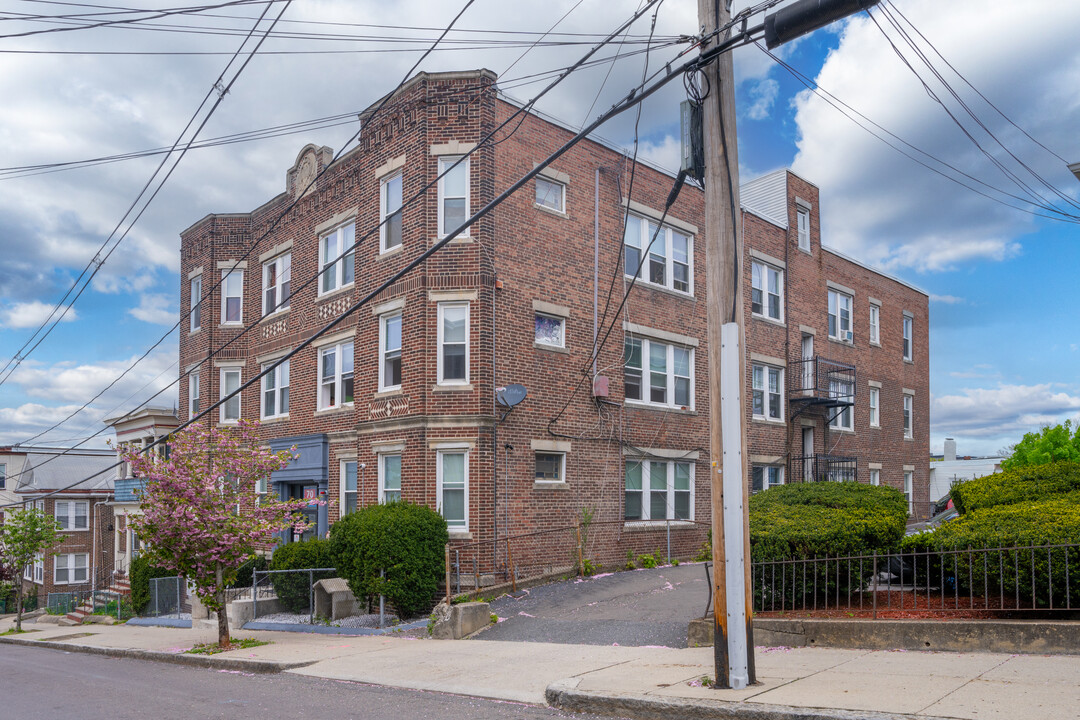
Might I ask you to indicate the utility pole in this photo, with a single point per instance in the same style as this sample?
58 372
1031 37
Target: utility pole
732 632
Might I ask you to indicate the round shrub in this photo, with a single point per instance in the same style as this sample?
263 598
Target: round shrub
140 574
1030 482
403 540
294 589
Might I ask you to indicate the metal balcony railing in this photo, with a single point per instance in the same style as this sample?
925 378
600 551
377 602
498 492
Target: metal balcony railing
821 467
821 381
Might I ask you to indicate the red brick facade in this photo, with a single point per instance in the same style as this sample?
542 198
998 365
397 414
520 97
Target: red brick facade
520 261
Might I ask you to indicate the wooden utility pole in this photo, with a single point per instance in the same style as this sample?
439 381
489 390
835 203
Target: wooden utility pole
727 372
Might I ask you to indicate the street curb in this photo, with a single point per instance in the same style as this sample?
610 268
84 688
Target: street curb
210 662
564 695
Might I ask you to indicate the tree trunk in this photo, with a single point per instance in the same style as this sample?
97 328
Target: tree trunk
222 615
18 606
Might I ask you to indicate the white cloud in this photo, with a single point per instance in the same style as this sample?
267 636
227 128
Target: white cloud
990 418
32 314
947 299
763 97
664 153
156 309
885 209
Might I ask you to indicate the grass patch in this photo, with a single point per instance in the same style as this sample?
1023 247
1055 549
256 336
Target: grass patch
236 644
14 631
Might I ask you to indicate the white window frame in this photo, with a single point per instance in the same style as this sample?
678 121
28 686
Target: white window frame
385 352
193 393
338 377
767 372
802 224
440 451
845 418
875 476
551 184
223 414
382 475
909 417
276 382
669 372
664 246
441 380
760 272
776 471
262 489
875 407
647 491
70 567
67 520
338 276
281 268
445 161
561 480
562 329
195 320
909 491
227 293
845 335
875 324
35 571
909 345
343 484
3 476
385 185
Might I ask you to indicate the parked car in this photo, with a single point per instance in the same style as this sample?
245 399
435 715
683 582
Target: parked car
934 522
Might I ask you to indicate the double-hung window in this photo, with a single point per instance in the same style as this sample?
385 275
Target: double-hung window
275 391
908 403
659 490
840 316
802 217
908 322
875 324
229 410
768 392
335 273
348 487
335 376
389 478
842 391
658 255
390 352
390 212
669 378
550 194
232 297
550 467
766 476
909 491
72 514
38 568
193 394
453 195
767 291
277 279
452 478
453 341
196 304
70 569
875 407
261 490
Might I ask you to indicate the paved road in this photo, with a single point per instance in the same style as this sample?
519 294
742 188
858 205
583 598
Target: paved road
50 684
639 608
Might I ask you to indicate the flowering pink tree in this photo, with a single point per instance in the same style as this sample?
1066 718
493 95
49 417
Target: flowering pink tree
199 515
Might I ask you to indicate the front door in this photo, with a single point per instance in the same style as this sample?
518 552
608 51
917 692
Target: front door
310 513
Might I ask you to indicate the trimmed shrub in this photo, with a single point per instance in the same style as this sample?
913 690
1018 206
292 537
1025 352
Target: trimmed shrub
403 540
1030 482
140 574
294 589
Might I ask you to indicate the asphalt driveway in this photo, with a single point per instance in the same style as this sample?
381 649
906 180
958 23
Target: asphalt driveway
635 608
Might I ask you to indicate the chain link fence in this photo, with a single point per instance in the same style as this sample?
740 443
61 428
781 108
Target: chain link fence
293 590
168 597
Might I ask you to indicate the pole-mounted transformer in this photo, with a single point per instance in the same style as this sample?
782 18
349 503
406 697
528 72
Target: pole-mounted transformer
805 16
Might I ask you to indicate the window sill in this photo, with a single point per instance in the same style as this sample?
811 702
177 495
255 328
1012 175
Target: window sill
231 326
875 344
228 422
804 250
848 343
551 211
459 240
460 535
396 250
551 348
196 331
841 430
646 525
463 387
541 485
274 419
336 291
662 408
276 315
768 421
909 439
658 288
340 410
875 427
392 392
769 320
908 362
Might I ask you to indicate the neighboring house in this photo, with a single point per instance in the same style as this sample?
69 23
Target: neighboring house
950 469
12 460
75 487
398 400
134 431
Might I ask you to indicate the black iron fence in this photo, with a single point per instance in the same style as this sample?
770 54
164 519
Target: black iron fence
821 379
822 467
976 581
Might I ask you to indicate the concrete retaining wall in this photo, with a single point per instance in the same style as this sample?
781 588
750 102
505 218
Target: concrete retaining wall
1005 636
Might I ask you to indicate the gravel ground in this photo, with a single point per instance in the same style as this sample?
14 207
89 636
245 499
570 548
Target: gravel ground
356 621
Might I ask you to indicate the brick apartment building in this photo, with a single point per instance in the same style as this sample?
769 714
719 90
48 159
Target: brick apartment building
398 401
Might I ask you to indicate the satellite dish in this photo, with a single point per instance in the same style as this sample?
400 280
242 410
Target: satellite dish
510 395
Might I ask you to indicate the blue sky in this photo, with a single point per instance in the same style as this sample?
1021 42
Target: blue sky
1003 334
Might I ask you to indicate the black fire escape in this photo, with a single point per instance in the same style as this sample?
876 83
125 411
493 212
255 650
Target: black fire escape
825 388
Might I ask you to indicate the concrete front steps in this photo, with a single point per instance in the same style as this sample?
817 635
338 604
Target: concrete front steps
84 613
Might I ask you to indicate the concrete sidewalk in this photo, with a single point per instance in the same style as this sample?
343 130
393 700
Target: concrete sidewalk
639 682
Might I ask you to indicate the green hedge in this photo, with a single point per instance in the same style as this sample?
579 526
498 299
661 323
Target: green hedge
247 568
403 540
294 589
141 573
1031 482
